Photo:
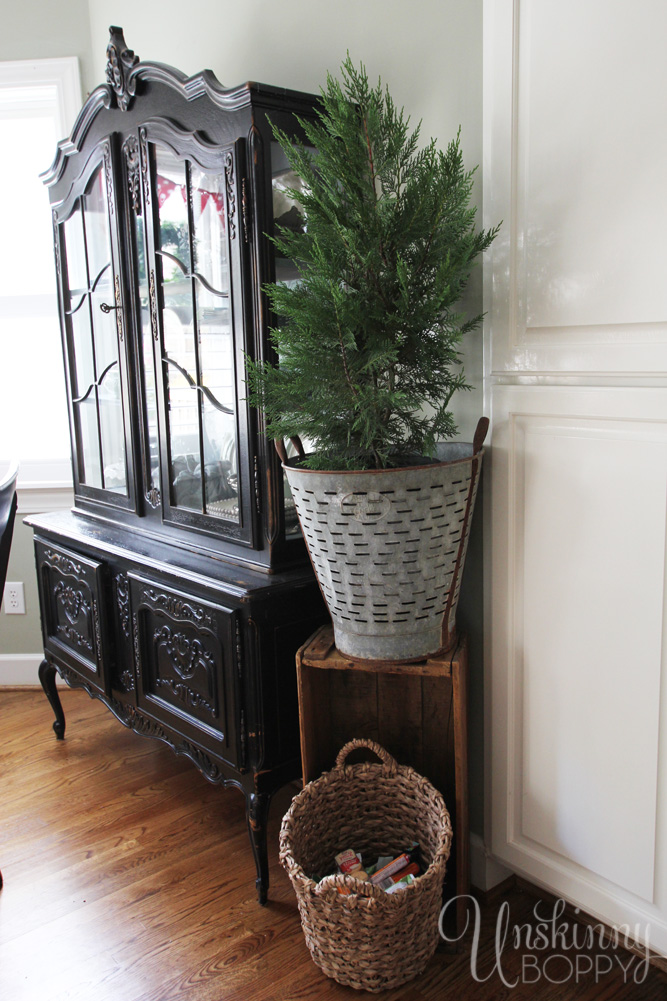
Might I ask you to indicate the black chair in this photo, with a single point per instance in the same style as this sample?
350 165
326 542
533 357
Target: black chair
8 504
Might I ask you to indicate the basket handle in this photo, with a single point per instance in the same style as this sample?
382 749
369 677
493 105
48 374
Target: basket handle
369 892
384 756
282 451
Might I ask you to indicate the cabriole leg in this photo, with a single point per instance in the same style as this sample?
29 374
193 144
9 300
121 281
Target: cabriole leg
47 677
257 812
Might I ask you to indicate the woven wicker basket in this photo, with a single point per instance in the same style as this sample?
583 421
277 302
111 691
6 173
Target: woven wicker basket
369 939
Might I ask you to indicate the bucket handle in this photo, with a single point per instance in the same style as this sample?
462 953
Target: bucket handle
384 756
282 451
478 441
480 434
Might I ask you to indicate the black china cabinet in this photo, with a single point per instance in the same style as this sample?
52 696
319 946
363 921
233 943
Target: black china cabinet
178 589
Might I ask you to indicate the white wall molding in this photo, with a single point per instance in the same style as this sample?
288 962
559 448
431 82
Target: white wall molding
577 708
38 500
577 282
576 381
485 871
20 669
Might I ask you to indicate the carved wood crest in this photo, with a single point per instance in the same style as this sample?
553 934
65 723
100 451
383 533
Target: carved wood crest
120 62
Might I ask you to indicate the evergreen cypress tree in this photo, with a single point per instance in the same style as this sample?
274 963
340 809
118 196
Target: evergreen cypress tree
368 338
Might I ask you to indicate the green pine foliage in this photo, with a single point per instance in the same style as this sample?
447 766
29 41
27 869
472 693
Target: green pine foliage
368 341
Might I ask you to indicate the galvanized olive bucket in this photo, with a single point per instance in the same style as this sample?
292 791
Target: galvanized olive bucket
388 548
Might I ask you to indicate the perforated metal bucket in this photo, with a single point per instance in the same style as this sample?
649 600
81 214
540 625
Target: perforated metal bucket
388 548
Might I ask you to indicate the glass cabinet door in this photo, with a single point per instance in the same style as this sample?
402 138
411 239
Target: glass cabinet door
94 323
197 354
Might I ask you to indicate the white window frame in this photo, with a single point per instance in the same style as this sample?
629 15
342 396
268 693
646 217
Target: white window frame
44 484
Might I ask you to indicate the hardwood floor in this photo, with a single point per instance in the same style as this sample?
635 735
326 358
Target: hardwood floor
128 877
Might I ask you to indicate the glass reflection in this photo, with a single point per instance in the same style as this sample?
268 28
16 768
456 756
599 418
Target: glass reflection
97 231
209 237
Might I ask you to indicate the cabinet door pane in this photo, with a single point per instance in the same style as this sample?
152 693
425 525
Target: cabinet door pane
77 271
209 230
86 418
104 305
198 359
98 244
91 301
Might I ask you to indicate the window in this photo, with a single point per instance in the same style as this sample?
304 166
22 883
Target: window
39 100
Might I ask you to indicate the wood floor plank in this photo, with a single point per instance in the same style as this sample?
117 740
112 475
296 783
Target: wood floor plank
129 877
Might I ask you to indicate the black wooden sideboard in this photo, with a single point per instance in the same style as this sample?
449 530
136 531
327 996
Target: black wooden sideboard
178 589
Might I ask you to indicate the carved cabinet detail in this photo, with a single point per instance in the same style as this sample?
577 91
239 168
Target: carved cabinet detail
186 664
73 594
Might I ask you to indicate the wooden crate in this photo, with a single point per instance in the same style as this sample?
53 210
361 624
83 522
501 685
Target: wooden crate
418 712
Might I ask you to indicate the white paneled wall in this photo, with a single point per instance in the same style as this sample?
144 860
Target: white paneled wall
576 293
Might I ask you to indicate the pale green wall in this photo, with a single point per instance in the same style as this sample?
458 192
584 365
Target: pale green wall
42 29
429 52
22 633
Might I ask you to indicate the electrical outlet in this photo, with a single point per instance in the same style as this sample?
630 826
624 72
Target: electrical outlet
14 598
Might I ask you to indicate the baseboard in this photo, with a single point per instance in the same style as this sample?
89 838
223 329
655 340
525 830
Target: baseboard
576 914
19 670
485 871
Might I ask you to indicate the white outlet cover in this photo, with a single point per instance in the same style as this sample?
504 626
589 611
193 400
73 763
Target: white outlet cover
14 598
